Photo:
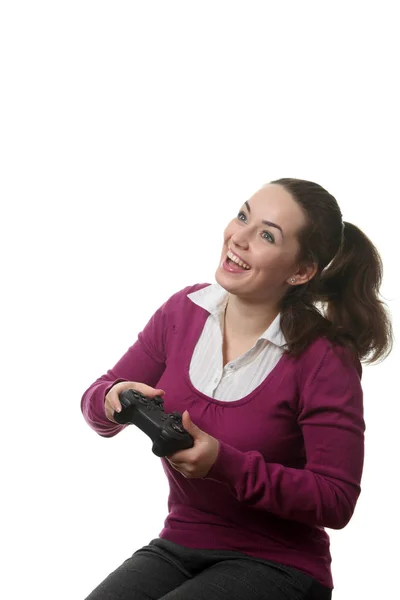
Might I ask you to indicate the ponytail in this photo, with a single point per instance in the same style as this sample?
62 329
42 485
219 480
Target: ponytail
350 287
341 302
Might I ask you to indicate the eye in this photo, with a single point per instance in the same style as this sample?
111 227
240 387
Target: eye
271 237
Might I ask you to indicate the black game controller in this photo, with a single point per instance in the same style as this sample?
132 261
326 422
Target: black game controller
165 430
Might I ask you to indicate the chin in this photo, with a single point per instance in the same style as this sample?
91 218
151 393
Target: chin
226 282
219 277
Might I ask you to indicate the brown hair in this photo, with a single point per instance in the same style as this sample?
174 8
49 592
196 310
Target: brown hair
346 284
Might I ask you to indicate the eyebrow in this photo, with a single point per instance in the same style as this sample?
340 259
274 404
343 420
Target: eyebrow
266 222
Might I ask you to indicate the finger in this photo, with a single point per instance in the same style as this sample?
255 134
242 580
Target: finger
109 415
151 392
147 390
114 403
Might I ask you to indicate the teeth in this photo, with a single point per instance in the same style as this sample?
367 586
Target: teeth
237 260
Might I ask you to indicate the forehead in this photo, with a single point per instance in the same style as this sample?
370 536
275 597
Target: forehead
273 203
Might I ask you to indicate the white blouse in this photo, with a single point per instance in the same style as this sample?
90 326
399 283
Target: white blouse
241 376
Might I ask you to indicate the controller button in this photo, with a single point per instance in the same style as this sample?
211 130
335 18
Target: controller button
177 427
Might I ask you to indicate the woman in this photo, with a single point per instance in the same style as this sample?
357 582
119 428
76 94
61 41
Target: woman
268 385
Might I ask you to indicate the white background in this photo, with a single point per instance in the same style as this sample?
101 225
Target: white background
131 133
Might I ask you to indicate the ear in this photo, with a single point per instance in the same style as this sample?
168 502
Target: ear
303 274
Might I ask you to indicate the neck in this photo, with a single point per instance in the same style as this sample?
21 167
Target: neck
246 319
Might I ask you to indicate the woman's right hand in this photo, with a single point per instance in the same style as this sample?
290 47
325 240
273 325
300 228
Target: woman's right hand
112 402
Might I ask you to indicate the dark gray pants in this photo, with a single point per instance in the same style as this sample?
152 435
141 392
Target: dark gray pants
165 570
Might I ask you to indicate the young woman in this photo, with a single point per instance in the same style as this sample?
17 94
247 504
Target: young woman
265 367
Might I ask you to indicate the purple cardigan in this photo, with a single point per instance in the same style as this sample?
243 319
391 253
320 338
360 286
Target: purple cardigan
291 452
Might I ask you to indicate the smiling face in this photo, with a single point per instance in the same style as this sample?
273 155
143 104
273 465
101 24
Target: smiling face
264 236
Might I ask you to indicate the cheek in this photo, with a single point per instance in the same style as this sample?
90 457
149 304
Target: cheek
270 261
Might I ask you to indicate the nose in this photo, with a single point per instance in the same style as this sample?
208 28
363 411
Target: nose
240 239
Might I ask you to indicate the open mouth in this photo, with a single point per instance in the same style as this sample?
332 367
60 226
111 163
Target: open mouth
234 264
231 259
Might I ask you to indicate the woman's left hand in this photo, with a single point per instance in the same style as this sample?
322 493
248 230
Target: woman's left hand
195 462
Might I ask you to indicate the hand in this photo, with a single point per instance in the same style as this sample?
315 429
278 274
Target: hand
112 402
195 462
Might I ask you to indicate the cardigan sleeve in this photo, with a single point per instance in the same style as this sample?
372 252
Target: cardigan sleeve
144 362
325 491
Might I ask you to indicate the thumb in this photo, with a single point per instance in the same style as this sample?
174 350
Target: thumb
189 425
